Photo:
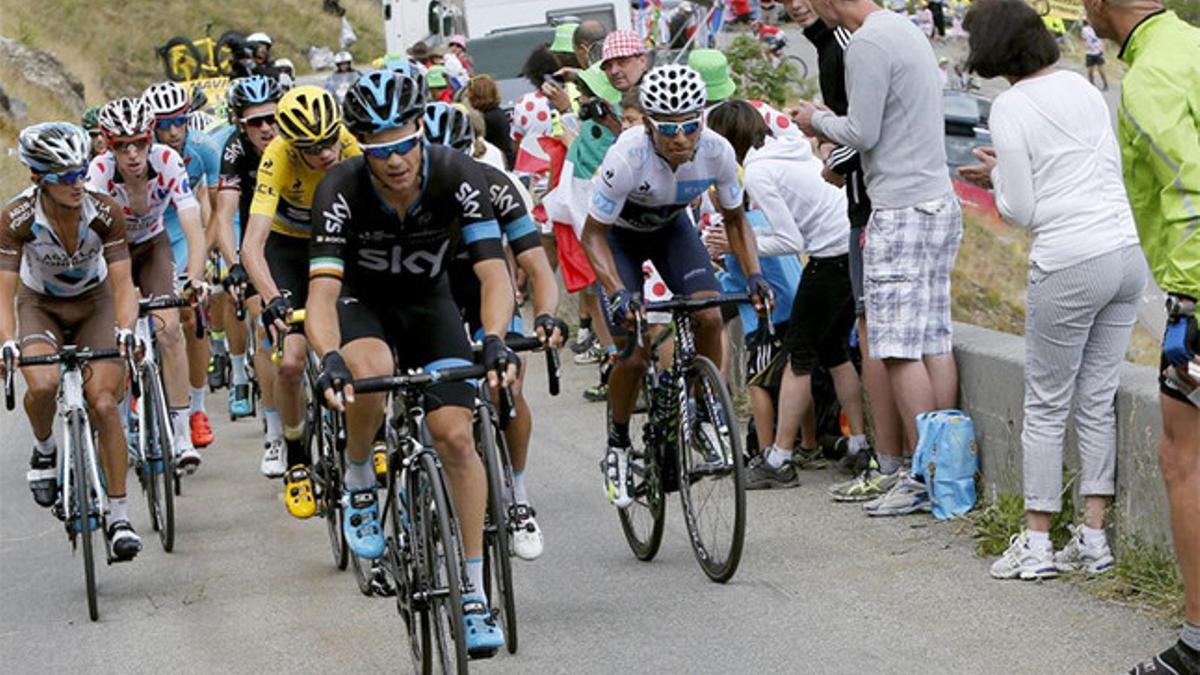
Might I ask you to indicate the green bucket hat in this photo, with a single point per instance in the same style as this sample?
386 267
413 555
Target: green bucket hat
564 38
436 77
597 81
714 68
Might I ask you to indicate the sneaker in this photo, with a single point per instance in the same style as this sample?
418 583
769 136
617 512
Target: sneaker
239 401
908 495
760 475
43 478
618 479
856 463
123 541
273 465
596 394
593 354
188 459
360 523
1178 659
809 460
583 340
484 636
866 486
202 433
1024 561
298 493
527 536
1077 555
218 367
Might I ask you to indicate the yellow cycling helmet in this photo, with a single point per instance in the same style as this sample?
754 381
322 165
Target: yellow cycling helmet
308 116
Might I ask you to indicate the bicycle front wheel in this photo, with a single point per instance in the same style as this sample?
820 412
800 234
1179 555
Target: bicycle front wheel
400 560
643 520
441 572
497 531
711 486
82 511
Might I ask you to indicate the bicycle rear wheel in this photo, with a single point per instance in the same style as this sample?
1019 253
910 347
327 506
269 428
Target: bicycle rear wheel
441 572
711 486
160 454
85 521
497 543
797 64
643 520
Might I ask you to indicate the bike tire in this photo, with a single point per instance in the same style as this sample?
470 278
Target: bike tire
321 429
703 381
497 529
83 509
147 467
181 59
798 64
643 520
159 438
402 564
443 568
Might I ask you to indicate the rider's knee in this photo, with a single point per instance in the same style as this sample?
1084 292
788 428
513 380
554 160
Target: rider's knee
707 320
41 386
170 335
455 444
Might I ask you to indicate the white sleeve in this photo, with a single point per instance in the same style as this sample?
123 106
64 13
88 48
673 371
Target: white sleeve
1012 178
612 185
782 237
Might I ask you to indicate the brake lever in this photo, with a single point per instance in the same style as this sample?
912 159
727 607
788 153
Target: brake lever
9 398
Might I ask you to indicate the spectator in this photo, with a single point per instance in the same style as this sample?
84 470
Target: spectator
1093 48
925 21
439 85
563 46
483 150
457 47
805 215
623 59
1056 169
895 121
937 10
424 55
533 114
1159 131
587 42
484 96
714 68
631 110
343 76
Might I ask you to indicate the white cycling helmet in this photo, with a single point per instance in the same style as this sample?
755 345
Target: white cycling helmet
167 99
673 89
53 147
258 38
126 117
200 120
285 64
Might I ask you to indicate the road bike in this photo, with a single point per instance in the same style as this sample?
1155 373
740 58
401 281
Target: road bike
685 437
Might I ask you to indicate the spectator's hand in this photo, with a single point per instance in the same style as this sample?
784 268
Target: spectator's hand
803 114
557 97
716 241
832 177
568 73
980 174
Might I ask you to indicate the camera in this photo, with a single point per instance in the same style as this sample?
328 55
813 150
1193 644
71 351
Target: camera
593 109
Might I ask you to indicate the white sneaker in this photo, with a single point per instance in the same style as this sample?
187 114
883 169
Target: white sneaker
618 483
583 340
592 354
1077 555
187 458
527 536
1024 561
273 464
908 495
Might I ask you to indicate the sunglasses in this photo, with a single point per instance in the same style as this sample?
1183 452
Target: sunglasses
167 123
258 121
318 148
401 147
66 177
672 129
138 144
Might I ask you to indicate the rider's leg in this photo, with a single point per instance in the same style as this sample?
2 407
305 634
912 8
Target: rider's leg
450 430
41 387
1179 459
289 397
264 369
197 351
366 357
103 390
235 338
175 374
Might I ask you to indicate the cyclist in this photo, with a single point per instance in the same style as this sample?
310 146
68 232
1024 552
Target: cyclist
311 140
343 76
451 126
639 212
146 179
361 253
76 297
169 103
252 102
91 124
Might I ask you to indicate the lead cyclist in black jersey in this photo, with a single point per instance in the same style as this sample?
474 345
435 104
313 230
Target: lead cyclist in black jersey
383 227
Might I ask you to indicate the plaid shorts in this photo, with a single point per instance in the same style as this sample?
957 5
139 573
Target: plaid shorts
907 260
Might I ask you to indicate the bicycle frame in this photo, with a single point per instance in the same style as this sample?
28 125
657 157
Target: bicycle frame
71 404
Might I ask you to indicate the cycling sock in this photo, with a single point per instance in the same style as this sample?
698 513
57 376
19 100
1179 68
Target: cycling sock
183 435
889 464
777 456
46 447
239 369
294 437
858 444
618 435
217 342
118 508
1039 540
197 401
1094 538
475 577
359 475
1190 637
519 494
274 424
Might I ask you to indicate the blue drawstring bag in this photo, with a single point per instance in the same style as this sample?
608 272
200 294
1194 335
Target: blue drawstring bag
947 458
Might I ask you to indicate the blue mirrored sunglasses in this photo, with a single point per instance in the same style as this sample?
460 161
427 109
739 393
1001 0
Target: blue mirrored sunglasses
66 177
165 123
688 127
403 146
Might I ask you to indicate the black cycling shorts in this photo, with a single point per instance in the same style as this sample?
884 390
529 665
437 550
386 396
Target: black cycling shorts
287 258
1168 388
424 330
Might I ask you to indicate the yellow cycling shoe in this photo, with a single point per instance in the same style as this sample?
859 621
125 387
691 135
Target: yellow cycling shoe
298 492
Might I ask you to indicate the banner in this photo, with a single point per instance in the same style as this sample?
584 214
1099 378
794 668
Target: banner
214 88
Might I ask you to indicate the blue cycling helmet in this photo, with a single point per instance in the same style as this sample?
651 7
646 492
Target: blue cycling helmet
249 91
449 125
381 100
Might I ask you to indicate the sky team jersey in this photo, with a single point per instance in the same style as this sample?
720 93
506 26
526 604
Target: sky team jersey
197 159
508 206
362 241
166 185
28 244
637 189
239 172
286 185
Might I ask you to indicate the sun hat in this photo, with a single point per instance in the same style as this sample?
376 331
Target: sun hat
621 43
598 83
460 40
714 68
564 38
436 77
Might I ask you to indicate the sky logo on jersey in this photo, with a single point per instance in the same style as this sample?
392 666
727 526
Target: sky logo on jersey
603 203
394 261
503 200
336 214
687 190
468 198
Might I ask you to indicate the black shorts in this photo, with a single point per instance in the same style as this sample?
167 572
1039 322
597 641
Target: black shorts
425 331
1092 60
765 358
1166 387
818 331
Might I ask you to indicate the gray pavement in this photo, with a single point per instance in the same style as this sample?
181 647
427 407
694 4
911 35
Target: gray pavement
821 588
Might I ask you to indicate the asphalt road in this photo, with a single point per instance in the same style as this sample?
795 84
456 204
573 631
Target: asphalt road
821 589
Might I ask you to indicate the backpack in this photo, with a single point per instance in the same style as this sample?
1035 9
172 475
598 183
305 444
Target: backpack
947 457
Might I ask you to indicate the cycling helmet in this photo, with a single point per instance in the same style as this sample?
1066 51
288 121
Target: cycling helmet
382 100
167 99
126 117
250 91
449 125
341 57
287 65
258 39
200 120
672 89
52 147
91 118
308 115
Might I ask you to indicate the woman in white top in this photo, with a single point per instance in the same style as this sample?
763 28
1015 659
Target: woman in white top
1056 169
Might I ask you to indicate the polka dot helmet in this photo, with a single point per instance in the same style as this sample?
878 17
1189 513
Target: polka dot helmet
673 89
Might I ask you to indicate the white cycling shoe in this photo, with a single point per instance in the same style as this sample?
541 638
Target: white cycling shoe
528 543
273 464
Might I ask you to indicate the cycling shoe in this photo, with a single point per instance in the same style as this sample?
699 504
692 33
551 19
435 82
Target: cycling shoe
43 478
298 492
484 636
360 522
124 542
239 401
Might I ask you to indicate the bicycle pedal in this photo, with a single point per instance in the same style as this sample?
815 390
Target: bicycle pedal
481 654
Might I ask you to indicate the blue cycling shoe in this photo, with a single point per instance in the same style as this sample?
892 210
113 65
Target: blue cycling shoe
360 522
484 637
239 401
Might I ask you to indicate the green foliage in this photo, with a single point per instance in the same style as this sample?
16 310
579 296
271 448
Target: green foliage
996 523
1188 10
757 78
1145 576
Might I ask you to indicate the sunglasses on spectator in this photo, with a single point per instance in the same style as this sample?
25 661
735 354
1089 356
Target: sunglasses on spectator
401 147
138 144
259 120
167 123
70 177
672 129
318 148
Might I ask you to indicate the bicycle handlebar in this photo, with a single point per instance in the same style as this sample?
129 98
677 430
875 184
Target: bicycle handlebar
147 305
370 385
69 354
